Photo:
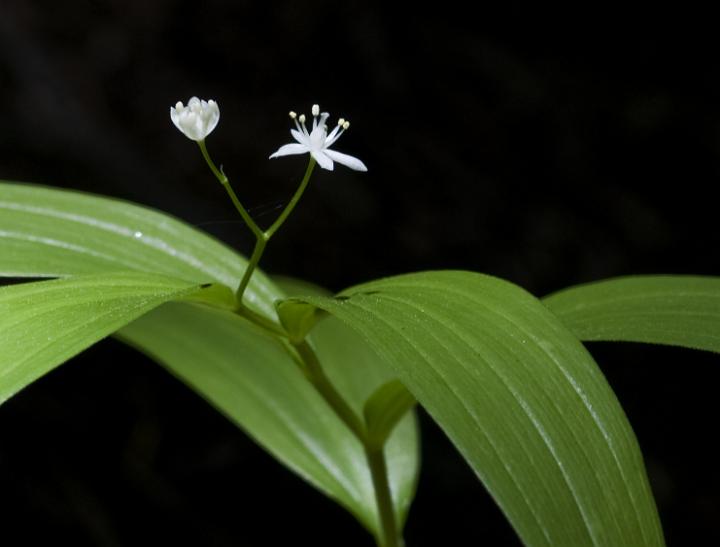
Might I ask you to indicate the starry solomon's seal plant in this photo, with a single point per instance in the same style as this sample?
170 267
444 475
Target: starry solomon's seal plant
328 384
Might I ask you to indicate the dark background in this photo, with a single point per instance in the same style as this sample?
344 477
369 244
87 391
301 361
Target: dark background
547 155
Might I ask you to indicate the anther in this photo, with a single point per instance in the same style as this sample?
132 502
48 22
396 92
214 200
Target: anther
301 118
315 109
346 125
341 121
292 115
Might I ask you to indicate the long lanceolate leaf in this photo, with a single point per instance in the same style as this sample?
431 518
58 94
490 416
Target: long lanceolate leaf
519 396
46 232
675 310
45 323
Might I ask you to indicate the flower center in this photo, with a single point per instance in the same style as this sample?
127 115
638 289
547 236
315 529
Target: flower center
318 136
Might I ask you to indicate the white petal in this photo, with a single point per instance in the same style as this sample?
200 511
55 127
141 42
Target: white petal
212 117
289 150
196 120
300 137
344 159
331 136
322 159
174 116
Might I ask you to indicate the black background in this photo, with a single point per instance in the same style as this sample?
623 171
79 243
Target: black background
547 155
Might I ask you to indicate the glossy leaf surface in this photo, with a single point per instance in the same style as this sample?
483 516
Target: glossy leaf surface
252 379
385 408
675 310
43 324
519 396
46 232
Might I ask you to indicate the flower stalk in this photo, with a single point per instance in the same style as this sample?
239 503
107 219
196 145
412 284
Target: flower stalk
196 121
261 236
375 455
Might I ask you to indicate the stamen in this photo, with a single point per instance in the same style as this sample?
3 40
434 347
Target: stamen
292 115
315 109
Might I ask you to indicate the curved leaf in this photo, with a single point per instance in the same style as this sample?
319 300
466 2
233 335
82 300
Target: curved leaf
43 324
519 396
357 372
252 379
385 408
675 310
47 232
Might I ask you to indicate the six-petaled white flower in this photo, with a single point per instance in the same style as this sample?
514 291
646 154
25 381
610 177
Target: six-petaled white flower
317 141
196 120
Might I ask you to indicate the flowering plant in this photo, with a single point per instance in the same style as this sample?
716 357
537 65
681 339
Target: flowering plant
328 384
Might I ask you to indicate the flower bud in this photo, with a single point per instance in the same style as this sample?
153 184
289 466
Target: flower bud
196 120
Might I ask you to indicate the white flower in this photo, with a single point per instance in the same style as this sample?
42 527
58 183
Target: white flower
196 120
317 142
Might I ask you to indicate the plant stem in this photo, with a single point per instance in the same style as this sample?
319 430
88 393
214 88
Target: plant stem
375 455
261 237
226 184
383 497
293 201
316 375
268 325
260 243
308 360
310 365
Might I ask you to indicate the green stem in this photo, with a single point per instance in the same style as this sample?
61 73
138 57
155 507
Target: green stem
375 455
262 238
310 365
314 372
263 322
294 201
383 497
233 197
307 358
257 253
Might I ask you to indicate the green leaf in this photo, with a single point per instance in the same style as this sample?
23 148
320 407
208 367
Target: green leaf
675 310
251 378
519 396
384 409
43 324
358 372
298 319
46 232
